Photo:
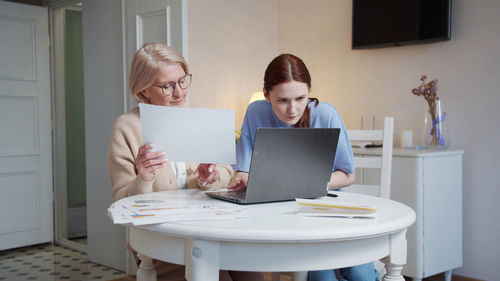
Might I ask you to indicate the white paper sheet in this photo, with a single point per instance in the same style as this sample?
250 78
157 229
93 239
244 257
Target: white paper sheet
198 135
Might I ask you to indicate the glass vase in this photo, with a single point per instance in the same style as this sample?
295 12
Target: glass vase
435 135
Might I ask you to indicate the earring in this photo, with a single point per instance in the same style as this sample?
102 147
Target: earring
148 100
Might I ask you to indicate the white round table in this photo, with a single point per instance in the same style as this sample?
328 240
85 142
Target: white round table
273 238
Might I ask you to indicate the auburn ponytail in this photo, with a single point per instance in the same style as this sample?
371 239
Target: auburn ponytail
305 120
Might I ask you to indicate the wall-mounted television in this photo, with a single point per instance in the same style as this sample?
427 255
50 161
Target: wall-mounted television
382 23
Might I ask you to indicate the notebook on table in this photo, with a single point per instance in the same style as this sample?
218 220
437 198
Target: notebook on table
287 163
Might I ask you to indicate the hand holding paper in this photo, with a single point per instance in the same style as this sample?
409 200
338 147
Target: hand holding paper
147 162
206 173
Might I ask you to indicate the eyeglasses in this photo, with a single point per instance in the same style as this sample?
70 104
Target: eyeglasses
169 88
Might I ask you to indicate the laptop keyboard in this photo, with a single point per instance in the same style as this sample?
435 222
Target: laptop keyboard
234 194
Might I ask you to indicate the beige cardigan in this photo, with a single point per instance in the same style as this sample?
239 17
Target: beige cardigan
126 138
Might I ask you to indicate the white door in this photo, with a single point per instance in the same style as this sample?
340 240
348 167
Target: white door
25 127
155 21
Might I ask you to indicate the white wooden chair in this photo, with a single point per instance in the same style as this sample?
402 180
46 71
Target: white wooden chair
382 162
365 166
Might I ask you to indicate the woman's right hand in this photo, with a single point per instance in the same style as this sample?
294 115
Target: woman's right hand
240 182
147 162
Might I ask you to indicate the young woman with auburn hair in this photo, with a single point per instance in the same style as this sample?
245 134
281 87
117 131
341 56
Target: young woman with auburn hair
287 104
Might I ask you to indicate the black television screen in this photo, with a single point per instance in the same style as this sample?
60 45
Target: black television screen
381 23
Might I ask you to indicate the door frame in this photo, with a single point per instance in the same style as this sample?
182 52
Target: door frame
57 65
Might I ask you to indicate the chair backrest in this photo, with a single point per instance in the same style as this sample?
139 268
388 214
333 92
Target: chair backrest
382 162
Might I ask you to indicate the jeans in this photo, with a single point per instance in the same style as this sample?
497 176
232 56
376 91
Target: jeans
363 272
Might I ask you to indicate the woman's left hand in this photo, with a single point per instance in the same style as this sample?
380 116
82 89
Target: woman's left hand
206 173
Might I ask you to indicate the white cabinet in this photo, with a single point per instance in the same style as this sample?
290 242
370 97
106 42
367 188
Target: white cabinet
430 182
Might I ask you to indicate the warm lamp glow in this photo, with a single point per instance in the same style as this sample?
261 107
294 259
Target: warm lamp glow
258 95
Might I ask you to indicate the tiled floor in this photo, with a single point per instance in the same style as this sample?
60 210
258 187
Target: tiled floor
49 262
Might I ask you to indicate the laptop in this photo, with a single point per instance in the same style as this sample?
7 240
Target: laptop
287 163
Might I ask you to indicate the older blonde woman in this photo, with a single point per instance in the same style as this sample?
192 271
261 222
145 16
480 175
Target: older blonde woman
159 75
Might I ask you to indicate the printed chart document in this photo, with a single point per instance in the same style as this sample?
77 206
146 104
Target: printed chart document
328 207
145 212
198 135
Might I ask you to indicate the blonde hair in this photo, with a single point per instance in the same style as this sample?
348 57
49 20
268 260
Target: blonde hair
146 66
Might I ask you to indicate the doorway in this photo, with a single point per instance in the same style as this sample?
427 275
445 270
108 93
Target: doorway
69 119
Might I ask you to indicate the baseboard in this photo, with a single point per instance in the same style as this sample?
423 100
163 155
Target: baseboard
454 277
463 278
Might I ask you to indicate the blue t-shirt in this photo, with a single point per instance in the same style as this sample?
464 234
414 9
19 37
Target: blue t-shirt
260 114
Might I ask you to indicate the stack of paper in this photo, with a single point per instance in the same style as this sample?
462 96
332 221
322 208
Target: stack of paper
142 212
328 207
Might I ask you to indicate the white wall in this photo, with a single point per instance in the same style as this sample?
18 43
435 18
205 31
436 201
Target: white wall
230 43
378 82
104 101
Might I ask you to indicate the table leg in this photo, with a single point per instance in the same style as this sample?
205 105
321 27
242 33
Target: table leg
397 257
146 271
202 260
299 276
276 276
296 276
447 275
393 273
